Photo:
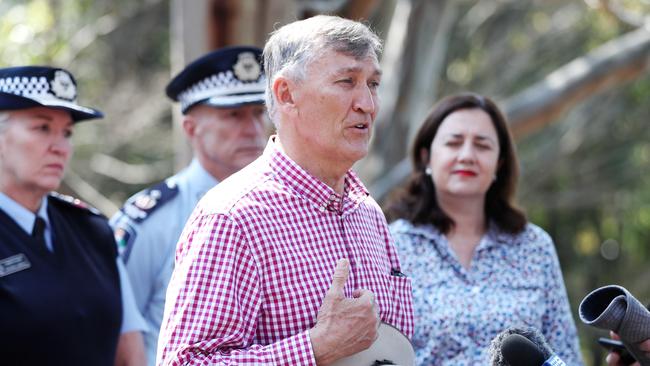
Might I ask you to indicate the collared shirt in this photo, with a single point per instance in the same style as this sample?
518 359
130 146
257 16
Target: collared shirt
151 244
513 281
25 219
256 258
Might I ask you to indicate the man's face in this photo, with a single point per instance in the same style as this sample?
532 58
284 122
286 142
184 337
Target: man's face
35 148
226 139
336 105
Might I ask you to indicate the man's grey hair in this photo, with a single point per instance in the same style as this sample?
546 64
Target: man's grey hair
294 46
4 119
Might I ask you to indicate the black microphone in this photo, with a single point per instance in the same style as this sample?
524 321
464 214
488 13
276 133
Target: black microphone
522 347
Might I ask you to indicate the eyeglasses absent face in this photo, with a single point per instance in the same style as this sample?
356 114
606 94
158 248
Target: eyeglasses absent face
35 148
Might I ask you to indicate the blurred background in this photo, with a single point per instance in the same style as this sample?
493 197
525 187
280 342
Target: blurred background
572 76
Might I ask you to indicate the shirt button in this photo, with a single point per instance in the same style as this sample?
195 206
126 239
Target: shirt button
476 290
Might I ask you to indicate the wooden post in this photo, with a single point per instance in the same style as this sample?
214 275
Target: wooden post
188 41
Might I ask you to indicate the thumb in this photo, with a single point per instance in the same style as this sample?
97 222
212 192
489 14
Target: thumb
340 276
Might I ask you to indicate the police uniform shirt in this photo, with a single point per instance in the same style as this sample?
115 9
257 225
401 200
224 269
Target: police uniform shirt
147 229
59 302
132 320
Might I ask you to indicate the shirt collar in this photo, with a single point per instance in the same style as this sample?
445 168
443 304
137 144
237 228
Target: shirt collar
200 180
310 187
492 237
22 216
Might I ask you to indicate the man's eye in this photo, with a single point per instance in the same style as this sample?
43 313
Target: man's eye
346 81
373 84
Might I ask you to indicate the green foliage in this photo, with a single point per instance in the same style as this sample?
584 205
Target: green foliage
597 189
119 53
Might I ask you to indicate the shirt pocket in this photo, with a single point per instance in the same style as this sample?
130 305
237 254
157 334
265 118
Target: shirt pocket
524 303
399 312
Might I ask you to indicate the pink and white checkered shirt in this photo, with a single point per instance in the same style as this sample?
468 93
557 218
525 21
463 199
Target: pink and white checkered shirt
256 258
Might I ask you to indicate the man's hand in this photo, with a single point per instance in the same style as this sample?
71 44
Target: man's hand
344 326
613 359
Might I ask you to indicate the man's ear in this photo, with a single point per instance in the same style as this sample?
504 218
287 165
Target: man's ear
283 90
189 126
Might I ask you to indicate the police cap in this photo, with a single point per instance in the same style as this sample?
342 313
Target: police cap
42 86
225 78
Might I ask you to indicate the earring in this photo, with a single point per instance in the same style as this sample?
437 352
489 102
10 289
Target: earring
427 171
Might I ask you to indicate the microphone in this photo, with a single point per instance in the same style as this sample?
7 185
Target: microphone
522 347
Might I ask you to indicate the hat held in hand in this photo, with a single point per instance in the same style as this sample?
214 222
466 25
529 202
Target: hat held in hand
391 348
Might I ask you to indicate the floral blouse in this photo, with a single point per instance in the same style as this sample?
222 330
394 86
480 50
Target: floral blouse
513 280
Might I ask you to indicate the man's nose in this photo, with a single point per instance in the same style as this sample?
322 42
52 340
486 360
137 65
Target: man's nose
365 101
253 124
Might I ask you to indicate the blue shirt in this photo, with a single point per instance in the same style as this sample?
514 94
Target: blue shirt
25 219
148 227
513 281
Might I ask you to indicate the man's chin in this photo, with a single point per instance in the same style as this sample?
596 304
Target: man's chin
245 158
358 153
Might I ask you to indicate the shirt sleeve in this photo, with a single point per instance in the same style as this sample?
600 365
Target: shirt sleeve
558 325
214 301
132 320
136 247
146 248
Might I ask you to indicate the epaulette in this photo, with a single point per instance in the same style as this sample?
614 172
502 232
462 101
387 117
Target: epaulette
140 206
74 202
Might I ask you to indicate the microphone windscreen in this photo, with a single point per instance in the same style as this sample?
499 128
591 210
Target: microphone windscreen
531 334
517 350
615 308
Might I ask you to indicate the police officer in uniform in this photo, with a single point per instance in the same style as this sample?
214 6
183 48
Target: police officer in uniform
222 101
61 297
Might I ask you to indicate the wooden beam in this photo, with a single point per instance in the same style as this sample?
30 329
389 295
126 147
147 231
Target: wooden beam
614 63
188 42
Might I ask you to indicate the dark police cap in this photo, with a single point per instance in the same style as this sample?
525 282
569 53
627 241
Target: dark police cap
42 86
228 77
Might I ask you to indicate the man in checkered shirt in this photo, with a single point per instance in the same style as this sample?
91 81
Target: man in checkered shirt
289 261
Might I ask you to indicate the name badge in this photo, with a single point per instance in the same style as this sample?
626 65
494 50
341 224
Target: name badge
13 264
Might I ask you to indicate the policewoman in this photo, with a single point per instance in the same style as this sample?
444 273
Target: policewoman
222 101
60 295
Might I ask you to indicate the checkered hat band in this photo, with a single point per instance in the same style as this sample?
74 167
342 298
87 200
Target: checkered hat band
36 88
221 84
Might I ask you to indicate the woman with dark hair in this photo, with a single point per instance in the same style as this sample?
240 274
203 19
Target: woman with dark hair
477 265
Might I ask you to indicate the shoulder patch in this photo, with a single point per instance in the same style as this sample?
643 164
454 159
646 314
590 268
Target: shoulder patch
124 238
74 202
140 206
